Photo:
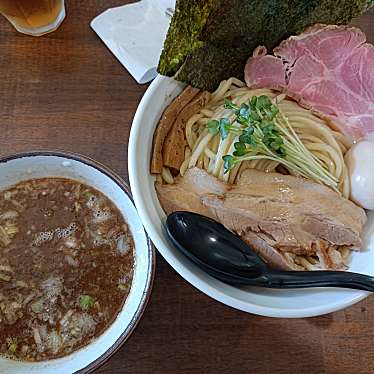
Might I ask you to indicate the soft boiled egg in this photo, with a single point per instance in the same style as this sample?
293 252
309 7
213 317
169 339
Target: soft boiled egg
360 163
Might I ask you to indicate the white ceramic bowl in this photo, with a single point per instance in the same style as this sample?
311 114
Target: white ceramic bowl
274 303
55 164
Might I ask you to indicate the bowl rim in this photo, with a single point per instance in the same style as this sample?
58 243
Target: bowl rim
88 161
182 270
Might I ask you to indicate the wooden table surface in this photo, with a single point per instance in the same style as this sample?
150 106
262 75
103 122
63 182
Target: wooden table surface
66 91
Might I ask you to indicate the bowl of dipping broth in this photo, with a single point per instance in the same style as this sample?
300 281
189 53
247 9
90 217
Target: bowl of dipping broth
76 265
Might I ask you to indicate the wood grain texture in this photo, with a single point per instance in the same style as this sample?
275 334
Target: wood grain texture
66 91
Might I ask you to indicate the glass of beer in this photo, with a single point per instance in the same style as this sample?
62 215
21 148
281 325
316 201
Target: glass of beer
34 17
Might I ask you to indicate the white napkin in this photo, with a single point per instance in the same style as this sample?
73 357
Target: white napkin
135 34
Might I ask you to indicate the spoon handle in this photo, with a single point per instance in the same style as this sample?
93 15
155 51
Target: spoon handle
304 279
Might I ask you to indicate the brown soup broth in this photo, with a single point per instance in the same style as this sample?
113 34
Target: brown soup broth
66 266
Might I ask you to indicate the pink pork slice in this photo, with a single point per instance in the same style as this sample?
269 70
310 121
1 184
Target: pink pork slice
329 69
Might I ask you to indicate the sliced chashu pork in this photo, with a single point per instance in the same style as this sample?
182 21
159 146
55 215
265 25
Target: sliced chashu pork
278 215
187 191
329 69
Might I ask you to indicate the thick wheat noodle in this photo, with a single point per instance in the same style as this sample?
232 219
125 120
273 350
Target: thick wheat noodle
222 150
187 152
306 263
221 173
214 165
237 82
312 140
343 148
199 138
236 92
312 260
184 166
201 156
200 163
327 146
345 183
296 260
335 157
326 160
189 133
252 164
261 164
209 153
166 175
242 99
293 111
222 88
270 165
206 112
279 98
342 140
202 121
217 94
199 150
314 143
214 144
190 139
307 124
206 160
234 173
309 138
195 118
226 87
345 252
290 257
328 152
225 176
331 155
255 164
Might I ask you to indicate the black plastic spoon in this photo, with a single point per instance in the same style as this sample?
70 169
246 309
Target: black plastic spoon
226 257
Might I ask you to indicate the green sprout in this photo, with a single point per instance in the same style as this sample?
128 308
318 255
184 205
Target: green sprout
85 302
262 132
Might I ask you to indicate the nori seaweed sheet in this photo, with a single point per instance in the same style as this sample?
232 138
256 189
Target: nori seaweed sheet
210 40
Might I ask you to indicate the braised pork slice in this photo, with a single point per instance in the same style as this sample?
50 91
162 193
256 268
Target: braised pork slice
328 69
293 223
187 192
